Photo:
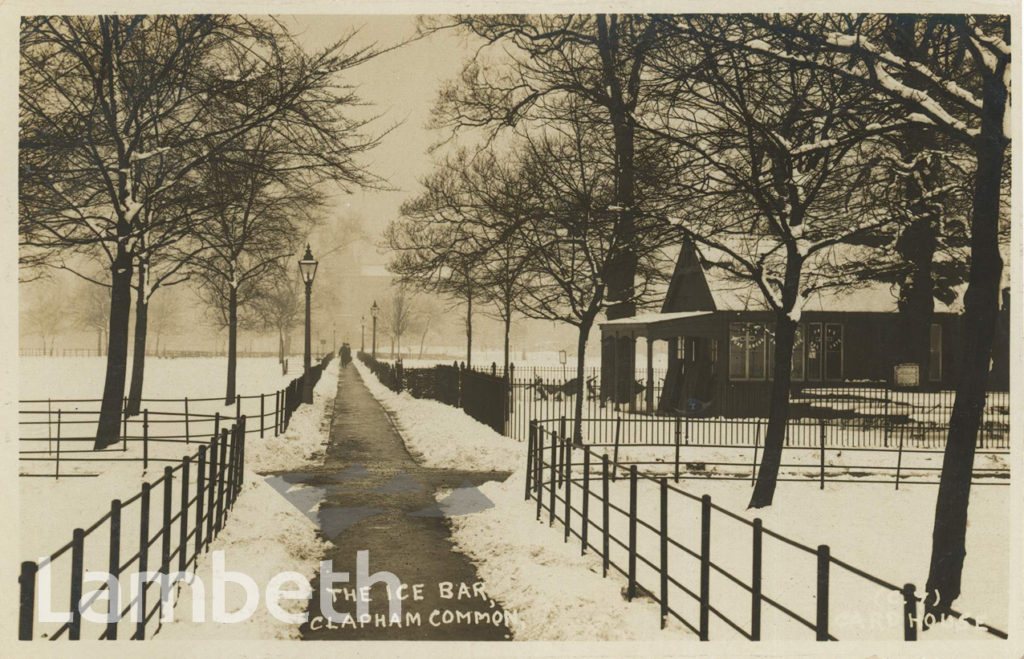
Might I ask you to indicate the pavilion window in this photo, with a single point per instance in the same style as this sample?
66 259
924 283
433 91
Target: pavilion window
814 351
935 353
748 344
833 351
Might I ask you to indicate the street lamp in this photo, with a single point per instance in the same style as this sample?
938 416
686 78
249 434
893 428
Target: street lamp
307 269
362 334
374 310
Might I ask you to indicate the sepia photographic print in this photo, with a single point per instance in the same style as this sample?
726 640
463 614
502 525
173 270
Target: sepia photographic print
616 329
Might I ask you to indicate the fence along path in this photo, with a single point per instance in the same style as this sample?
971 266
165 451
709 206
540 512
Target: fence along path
168 523
56 436
687 571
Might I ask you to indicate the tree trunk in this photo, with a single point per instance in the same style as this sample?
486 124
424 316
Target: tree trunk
229 395
469 330
916 247
423 337
508 332
139 356
778 412
981 309
109 426
280 346
581 349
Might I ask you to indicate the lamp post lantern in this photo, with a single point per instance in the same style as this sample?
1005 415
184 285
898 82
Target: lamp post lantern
307 269
374 310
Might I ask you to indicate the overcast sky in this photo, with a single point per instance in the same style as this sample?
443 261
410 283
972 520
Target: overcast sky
401 85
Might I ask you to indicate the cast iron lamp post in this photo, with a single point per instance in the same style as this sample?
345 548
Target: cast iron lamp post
307 268
374 310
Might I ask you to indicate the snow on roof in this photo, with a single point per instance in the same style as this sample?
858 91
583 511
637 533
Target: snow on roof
731 294
654 317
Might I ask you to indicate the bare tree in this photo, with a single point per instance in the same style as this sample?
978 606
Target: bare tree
118 112
398 317
954 78
280 306
780 166
91 311
531 65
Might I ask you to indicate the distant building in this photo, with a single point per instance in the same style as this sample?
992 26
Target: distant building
720 348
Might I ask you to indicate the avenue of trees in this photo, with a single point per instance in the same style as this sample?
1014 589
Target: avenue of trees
172 148
799 153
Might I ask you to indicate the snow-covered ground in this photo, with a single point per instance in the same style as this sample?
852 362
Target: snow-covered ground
524 564
50 508
874 528
442 435
202 377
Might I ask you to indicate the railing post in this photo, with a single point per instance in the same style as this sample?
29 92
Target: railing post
183 521
56 470
631 576
262 404
909 613
821 619
221 472
77 551
145 439
586 501
615 460
165 531
567 471
705 564
755 582
663 487
678 435
538 467
211 485
216 424
114 569
554 476
604 515
238 406
757 440
187 434
821 422
200 498
140 625
899 461
27 599
530 440
240 470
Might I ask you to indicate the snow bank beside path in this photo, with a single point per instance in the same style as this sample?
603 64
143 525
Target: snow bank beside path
308 434
558 594
265 535
442 435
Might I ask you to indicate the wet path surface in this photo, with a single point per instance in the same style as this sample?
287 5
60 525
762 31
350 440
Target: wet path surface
375 497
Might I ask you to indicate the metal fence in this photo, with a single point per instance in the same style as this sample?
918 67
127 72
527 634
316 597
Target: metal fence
858 416
181 520
576 488
483 396
732 448
60 432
